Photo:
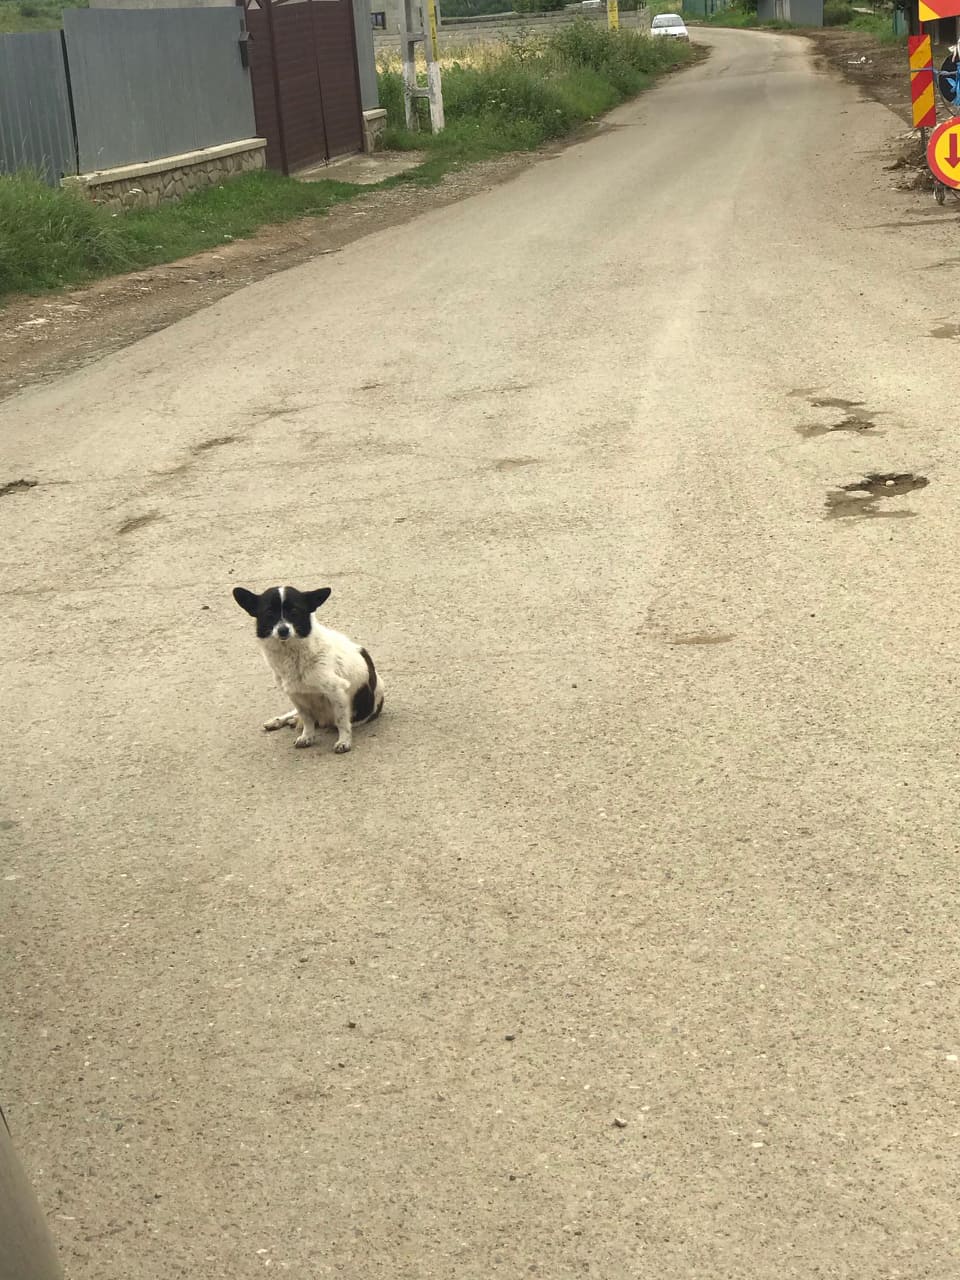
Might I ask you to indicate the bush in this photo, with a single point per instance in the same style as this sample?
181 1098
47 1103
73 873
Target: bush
531 91
838 14
49 236
537 6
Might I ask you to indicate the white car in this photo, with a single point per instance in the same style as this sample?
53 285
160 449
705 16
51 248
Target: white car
670 25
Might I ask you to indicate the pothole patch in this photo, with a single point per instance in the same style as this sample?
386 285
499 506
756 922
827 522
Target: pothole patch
855 422
861 500
857 419
17 486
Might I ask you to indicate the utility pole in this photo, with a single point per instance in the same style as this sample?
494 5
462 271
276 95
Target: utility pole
413 33
613 15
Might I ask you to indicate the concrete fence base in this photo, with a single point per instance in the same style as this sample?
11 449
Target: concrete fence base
374 127
145 186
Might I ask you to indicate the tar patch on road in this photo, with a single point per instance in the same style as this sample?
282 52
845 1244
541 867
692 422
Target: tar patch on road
215 442
511 464
702 637
860 501
17 486
946 331
856 418
137 522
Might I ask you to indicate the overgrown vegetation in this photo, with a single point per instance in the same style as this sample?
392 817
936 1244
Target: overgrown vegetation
528 91
745 16
51 237
878 24
836 13
34 15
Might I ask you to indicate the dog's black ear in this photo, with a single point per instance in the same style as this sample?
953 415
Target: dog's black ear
314 599
247 600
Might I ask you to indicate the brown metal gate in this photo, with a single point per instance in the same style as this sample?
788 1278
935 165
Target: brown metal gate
306 86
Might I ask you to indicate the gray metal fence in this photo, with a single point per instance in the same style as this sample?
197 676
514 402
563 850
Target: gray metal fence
150 83
366 56
36 131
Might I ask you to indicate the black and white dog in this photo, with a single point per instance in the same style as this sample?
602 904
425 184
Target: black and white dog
331 681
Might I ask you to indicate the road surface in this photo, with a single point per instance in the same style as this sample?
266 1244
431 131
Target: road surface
625 944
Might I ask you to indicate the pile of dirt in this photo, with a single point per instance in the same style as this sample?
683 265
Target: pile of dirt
910 163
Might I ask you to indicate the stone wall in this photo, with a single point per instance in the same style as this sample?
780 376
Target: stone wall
496 27
146 186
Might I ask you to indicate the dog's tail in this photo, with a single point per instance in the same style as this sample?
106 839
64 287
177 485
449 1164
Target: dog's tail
375 685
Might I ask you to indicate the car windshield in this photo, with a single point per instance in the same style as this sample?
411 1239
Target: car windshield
667 20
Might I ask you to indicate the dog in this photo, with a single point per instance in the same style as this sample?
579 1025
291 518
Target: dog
331 681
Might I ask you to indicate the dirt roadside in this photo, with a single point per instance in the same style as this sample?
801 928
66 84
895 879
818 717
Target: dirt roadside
880 70
50 334
44 336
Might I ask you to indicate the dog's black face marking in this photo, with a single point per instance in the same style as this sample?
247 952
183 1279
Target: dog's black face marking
281 611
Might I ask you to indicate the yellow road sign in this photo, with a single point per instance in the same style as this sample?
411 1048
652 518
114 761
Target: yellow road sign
943 153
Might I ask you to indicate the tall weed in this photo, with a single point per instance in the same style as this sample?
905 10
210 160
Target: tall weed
529 91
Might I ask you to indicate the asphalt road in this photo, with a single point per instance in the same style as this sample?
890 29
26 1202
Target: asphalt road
660 825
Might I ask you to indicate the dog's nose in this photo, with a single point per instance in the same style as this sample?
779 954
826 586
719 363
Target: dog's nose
283 631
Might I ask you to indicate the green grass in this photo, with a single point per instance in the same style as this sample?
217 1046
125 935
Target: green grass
879 25
34 15
746 18
836 13
529 96
50 237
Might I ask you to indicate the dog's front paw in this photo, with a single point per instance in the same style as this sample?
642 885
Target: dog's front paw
305 740
342 748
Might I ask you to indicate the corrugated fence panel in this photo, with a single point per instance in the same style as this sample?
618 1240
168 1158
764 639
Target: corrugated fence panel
366 55
339 85
149 83
36 131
